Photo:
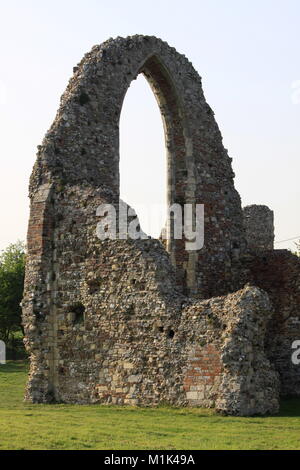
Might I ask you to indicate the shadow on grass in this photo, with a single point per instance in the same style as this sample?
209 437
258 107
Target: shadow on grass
289 407
14 366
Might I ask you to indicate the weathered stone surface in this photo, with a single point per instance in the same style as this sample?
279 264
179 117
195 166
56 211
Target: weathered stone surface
228 368
259 226
82 146
126 321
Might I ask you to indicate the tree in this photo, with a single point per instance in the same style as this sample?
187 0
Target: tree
298 248
12 271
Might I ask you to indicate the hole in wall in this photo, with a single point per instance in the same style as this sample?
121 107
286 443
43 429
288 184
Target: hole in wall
130 310
171 334
93 286
61 370
83 98
78 311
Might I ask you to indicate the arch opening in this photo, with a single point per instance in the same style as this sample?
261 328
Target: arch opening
178 184
143 166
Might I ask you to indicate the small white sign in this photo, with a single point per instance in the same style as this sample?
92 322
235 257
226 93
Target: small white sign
2 352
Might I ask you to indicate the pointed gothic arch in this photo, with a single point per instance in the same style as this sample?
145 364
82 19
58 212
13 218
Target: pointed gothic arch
118 282
83 146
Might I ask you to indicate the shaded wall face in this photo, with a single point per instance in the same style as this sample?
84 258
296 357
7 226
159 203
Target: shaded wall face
278 273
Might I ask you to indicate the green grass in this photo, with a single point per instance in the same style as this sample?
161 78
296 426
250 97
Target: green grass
27 426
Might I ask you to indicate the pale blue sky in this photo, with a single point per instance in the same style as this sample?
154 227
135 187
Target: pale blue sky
247 52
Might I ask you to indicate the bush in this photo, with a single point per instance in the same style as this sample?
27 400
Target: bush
12 272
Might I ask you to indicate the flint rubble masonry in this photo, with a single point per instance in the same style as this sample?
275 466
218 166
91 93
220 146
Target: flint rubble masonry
132 321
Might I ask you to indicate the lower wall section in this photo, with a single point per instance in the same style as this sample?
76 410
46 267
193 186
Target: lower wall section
226 364
203 376
106 323
207 353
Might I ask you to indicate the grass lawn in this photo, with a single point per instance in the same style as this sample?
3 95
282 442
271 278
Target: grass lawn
27 426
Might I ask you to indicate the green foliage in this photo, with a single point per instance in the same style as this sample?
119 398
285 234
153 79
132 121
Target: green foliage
63 427
12 268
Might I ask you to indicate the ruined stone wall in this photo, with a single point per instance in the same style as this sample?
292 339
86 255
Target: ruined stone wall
82 146
123 321
259 226
120 332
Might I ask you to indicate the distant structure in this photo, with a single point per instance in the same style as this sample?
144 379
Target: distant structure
135 321
259 226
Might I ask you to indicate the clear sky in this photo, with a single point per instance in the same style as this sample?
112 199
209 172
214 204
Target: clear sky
247 52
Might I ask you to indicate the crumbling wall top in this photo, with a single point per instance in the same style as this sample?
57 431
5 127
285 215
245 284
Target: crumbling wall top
259 227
